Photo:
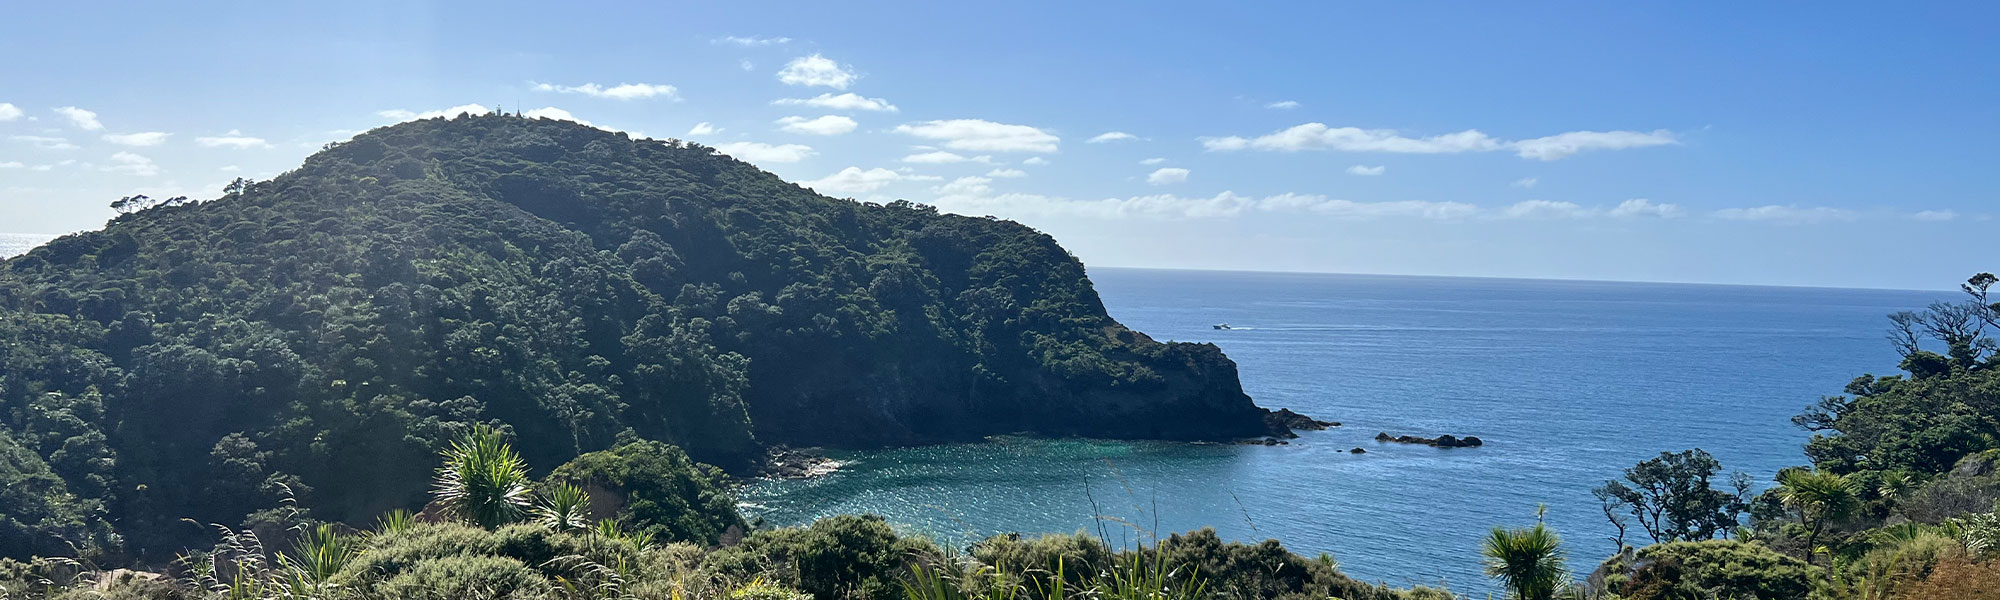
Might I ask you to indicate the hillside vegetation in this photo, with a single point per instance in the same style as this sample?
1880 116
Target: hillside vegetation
323 333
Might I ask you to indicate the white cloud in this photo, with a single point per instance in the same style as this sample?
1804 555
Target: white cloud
1348 209
940 157
965 186
1545 209
81 118
752 41
1564 145
12 164
747 65
45 142
148 138
450 113
550 112
1787 214
1283 105
623 91
759 152
983 136
1526 183
1318 136
1152 161
971 196
1641 207
229 168
703 128
1110 136
1934 215
132 164
1167 175
817 70
975 195
233 139
1006 173
9 112
844 101
1035 161
826 125
1367 170
853 180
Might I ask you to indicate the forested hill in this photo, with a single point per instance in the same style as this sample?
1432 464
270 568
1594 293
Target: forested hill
337 323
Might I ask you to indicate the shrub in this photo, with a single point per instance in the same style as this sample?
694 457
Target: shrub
842 556
389 555
1958 579
1722 569
468 578
654 489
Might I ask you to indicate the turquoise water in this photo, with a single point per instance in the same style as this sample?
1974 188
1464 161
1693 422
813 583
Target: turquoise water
1567 382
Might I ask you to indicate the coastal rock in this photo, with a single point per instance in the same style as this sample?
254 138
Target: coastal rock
1286 419
1357 450
1976 465
1266 441
787 463
1442 441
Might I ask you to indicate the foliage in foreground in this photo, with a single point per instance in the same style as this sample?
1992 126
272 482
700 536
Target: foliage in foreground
491 546
1529 561
1726 569
838 558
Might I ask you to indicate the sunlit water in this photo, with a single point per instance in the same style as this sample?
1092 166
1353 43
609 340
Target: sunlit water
16 243
1568 383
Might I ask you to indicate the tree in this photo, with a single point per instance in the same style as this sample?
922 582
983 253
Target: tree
566 508
1819 497
1529 561
483 481
1611 504
1894 485
1671 497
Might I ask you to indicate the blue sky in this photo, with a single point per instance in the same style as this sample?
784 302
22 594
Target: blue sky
1839 144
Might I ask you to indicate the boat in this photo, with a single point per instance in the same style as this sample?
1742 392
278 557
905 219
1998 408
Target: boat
1222 326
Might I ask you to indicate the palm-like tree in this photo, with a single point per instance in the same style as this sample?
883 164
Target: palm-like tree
1820 497
483 481
1529 561
1895 484
320 555
566 508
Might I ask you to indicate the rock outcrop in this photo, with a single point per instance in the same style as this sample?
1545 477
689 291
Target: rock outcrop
1442 441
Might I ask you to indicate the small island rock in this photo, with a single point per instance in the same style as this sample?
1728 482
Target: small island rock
1442 441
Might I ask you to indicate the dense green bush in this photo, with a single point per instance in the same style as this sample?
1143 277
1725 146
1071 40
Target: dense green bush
1198 559
655 489
1720 569
837 557
467 578
39 515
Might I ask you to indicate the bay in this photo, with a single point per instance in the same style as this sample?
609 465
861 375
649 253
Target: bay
1568 382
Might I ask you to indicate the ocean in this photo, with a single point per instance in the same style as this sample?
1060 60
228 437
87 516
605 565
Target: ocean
1568 383
16 243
